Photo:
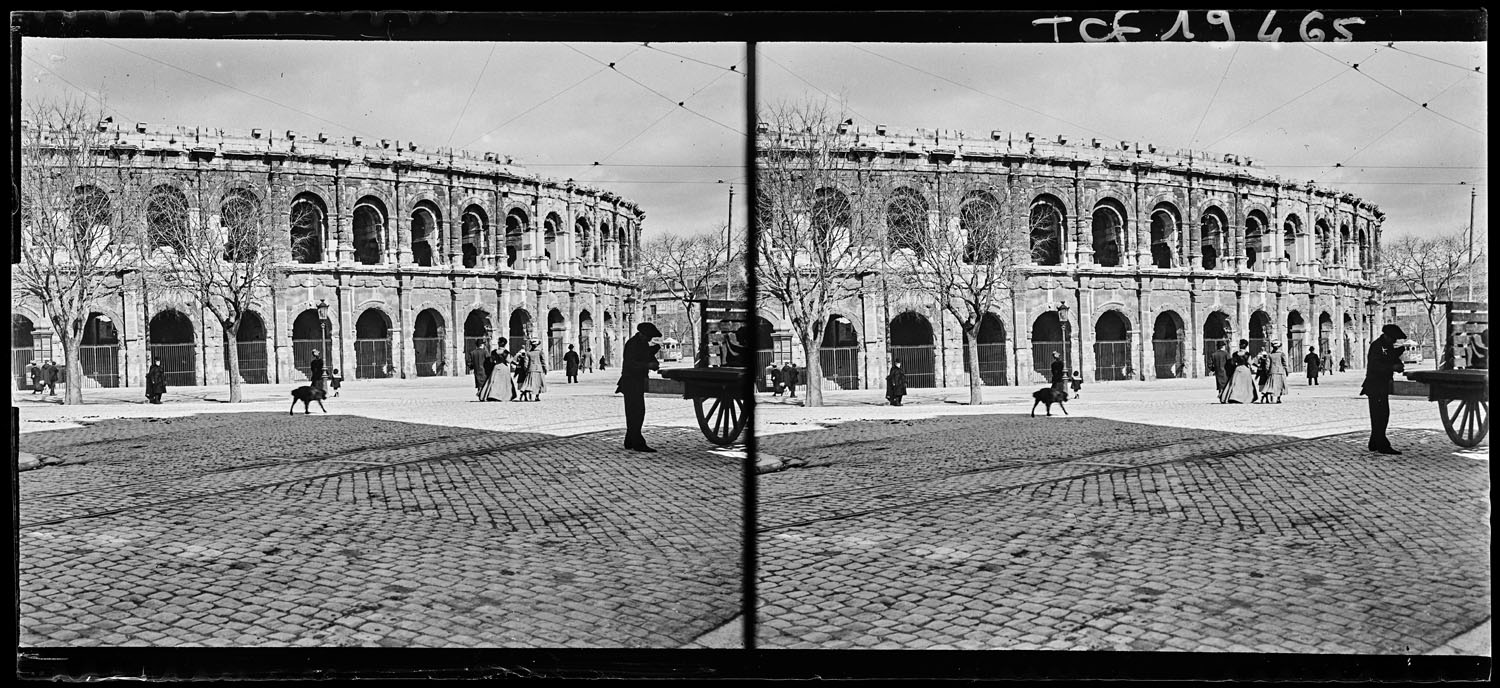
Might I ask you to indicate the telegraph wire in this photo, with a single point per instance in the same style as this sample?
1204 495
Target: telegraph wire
1393 127
658 120
80 89
472 91
1215 96
732 68
1468 70
1356 68
1278 108
814 87
680 103
983 93
235 88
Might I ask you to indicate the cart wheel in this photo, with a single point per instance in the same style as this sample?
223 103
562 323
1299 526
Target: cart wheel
1468 423
722 420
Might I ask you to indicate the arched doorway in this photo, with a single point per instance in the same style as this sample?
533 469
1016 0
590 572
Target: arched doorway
993 369
171 340
310 334
607 358
1047 337
585 337
250 344
911 344
520 329
838 354
426 233
1112 348
557 332
1296 340
1325 332
1346 350
369 231
769 349
427 340
98 353
372 345
478 330
1169 355
1260 331
22 349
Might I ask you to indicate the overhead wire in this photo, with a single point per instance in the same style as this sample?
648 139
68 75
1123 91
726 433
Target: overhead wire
80 89
732 68
472 91
680 103
1284 104
658 120
1393 90
815 87
549 99
1215 96
1393 127
1467 70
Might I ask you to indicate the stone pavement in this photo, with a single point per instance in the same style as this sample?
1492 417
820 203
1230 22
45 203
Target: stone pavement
408 516
1148 519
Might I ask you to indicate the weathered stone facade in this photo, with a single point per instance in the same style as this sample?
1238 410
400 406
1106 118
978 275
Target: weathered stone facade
1156 254
414 251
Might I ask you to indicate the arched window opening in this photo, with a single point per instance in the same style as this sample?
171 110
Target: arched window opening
1047 221
520 329
475 227
425 233
427 338
369 232
478 330
1290 230
993 368
239 214
1260 331
1296 339
167 219
1257 242
1109 236
585 236
308 225
90 208
1163 238
1216 332
516 224
1211 238
979 218
832 218
549 241
839 352
906 221
557 333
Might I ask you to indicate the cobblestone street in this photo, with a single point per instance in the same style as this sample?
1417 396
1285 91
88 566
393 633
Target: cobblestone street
1133 524
463 525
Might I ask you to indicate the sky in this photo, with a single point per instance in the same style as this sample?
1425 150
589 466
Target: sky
1295 109
556 108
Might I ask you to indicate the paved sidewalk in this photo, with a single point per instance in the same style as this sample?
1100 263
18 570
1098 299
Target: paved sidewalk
1126 525
410 515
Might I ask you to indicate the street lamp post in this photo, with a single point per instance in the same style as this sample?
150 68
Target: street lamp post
729 244
1062 318
323 320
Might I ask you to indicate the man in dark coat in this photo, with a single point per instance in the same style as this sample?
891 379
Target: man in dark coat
1383 362
49 376
1218 362
790 376
1314 365
477 362
636 363
1059 373
315 370
570 362
34 372
773 378
156 382
895 384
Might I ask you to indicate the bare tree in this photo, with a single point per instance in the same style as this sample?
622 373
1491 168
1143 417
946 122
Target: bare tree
689 268
970 261
813 248
1429 270
76 217
226 257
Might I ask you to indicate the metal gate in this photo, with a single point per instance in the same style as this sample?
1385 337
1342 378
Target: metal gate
372 358
180 361
1112 362
302 355
993 369
1041 358
1170 357
254 368
18 360
101 366
840 365
1259 345
1294 356
429 356
918 362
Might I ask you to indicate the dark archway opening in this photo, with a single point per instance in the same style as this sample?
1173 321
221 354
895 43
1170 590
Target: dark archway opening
427 339
172 341
1112 348
911 344
372 346
1168 353
250 344
838 354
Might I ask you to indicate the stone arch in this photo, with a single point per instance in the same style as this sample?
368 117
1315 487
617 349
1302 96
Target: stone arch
99 349
911 342
1345 239
1109 237
1261 330
991 344
1048 226
831 215
369 230
474 230
1165 219
91 206
1168 333
1325 331
429 338
1364 250
172 337
372 343
1291 229
838 351
623 245
980 218
22 348
167 218
1258 238
557 337
308 219
585 334
478 328
1049 335
1323 240
239 215
426 232
250 343
1112 346
517 223
551 227
906 213
520 329
1213 240
584 238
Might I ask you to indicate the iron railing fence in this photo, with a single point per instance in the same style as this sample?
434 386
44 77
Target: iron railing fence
1170 357
180 361
372 359
993 366
919 362
1112 362
302 355
840 365
1041 358
430 359
255 366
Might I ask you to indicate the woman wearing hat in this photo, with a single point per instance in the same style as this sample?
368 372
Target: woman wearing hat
536 374
1275 385
1384 361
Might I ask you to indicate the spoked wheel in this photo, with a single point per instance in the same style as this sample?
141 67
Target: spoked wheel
720 419
1468 422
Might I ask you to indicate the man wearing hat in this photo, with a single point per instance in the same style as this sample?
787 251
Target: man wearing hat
636 362
1384 361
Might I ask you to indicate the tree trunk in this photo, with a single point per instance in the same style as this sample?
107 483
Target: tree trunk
976 383
232 351
73 385
1439 348
813 384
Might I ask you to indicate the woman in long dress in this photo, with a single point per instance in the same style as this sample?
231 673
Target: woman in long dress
1241 387
536 374
1276 385
498 386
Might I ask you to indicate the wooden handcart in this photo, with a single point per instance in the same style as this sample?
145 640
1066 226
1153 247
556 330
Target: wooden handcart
1462 394
718 382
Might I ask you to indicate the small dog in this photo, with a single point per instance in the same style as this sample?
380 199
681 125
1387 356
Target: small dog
1049 396
307 394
